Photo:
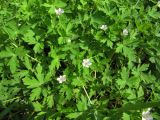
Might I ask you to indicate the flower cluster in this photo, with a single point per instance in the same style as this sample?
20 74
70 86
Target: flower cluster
86 63
158 4
61 78
59 11
125 32
146 115
104 27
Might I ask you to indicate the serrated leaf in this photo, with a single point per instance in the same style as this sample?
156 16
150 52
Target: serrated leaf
29 37
35 94
37 106
69 28
133 82
38 48
119 48
131 94
22 73
39 74
27 63
82 105
59 3
13 64
128 52
50 101
78 82
74 115
98 18
61 40
20 52
11 29
48 76
124 74
121 83
4 54
144 67
31 83
140 92
126 116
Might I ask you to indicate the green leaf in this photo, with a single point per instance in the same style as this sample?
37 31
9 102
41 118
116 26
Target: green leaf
98 18
126 116
119 48
82 105
124 74
13 64
144 67
35 94
69 28
11 29
131 94
74 115
39 74
140 92
48 76
38 48
59 3
121 83
20 52
128 52
50 101
37 106
27 63
78 82
61 40
29 37
133 82
31 83
6 53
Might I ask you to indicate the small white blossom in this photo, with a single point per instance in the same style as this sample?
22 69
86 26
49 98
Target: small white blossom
146 115
125 32
104 27
61 78
158 4
19 24
69 40
59 11
86 63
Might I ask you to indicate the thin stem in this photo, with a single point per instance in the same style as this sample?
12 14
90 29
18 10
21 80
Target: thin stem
90 101
87 94
11 99
137 2
33 58
95 74
27 54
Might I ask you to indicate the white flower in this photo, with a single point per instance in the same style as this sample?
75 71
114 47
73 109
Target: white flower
61 78
19 24
69 40
86 63
158 4
125 32
104 27
59 11
146 115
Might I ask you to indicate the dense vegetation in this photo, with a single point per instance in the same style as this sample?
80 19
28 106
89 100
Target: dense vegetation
79 59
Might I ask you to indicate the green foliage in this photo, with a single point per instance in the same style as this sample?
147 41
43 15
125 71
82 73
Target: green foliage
43 74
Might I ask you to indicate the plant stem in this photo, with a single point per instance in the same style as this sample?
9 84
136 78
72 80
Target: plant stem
11 99
27 54
87 94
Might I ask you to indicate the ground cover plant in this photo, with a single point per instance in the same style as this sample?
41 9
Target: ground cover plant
79 59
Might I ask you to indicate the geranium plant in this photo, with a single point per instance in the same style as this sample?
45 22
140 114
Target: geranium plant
79 59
